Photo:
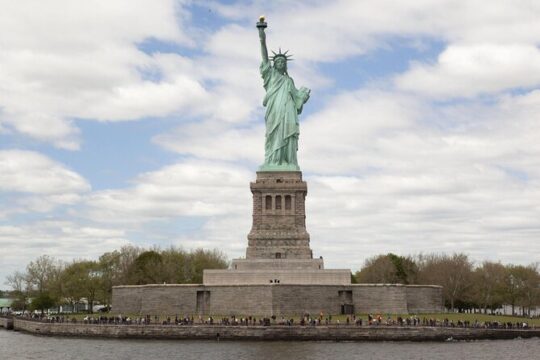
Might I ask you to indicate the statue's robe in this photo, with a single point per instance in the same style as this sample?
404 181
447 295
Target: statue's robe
283 105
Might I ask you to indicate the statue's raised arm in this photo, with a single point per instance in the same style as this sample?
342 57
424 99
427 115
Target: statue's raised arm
283 102
261 25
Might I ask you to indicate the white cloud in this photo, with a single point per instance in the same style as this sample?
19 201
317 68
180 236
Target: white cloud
327 31
217 141
343 136
185 189
63 60
66 60
33 182
464 70
31 172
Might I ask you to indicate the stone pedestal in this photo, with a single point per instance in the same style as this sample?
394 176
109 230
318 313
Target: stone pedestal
279 217
278 249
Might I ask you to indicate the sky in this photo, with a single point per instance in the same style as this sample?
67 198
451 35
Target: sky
141 122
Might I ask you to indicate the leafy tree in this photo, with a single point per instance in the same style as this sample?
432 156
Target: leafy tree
530 294
147 269
389 269
201 259
174 266
73 280
405 268
115 269
176 263
42 301
82 279
488 289
522 287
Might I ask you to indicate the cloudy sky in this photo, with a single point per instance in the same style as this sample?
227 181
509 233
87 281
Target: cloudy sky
141 122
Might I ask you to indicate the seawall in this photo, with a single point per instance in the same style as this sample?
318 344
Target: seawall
6 323
273 332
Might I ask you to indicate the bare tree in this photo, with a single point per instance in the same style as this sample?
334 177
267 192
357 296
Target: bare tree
18 282
43 272
453 273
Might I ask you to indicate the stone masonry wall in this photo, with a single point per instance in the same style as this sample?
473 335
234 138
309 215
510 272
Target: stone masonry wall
300 299
127 299
379 298
241 300
423 299
170 299
276 299
285 277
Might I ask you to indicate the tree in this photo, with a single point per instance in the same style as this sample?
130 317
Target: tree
530 296
147 269
522 286
72 280
389 269
43 273
175 263
19 304
201 259
489 285
174 266
115 269
42 302
512 285
82 279
19 283
453 273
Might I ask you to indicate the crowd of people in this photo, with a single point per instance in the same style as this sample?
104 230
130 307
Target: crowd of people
305 320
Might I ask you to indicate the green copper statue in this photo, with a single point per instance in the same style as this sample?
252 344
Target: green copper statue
283 102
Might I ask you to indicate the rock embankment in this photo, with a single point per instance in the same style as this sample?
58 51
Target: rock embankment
274 332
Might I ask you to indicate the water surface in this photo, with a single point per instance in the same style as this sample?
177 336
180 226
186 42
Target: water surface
17 345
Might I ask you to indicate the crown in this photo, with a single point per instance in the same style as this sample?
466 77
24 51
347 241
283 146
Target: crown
280 54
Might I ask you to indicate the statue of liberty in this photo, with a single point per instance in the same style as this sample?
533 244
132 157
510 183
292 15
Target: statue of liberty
283 102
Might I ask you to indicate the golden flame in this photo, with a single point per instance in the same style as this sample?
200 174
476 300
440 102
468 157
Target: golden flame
261 18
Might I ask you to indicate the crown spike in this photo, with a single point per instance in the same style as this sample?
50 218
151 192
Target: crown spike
284 55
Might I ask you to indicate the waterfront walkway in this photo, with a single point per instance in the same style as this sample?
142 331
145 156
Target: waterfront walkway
372 321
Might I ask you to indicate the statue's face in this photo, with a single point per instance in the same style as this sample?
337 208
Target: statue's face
280 64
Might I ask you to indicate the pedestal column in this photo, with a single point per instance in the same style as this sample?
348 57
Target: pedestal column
279 218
